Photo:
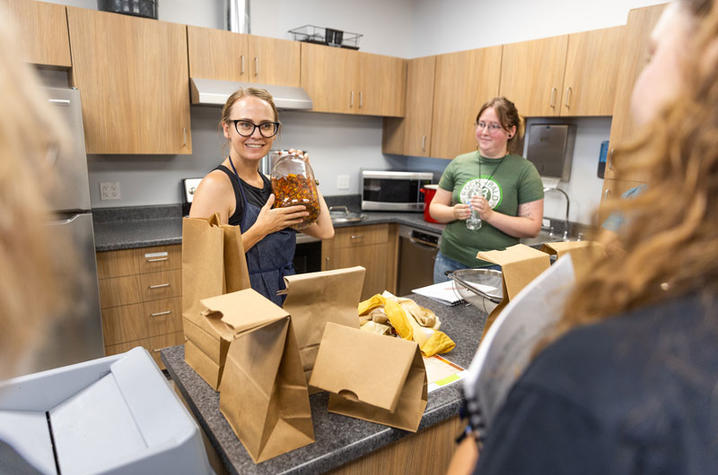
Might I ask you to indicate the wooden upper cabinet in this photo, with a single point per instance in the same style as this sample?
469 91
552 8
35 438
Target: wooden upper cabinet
329 75
228 56
463 82
43 28
273 61
630 64
532 75
348 82
412 134
381 87
133 80
217 54
589 83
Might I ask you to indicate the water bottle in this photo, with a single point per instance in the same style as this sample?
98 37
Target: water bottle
473 222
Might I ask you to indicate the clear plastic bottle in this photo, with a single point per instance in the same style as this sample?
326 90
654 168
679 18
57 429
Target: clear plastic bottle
293 184
473 222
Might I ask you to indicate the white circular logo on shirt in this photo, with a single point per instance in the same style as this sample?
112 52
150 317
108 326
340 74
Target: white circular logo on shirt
489 189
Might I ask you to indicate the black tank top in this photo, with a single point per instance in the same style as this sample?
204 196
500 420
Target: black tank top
256 196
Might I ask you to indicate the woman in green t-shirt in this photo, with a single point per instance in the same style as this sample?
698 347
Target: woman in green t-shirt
503 189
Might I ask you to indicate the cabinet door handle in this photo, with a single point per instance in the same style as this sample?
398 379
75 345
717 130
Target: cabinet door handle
569 93
606 193
553 97
423 143
241 64
256 66
357 236
184 136
361 99
63 102
159 314
156 256
159 286
157 259
351 99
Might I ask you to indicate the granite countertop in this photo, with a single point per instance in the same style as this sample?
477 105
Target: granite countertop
339 439
146 226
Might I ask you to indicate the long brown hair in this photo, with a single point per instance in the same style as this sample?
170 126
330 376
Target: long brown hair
509 117
671 233
37 270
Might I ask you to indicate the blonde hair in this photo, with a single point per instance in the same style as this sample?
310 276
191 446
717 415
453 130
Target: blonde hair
35 279
262 94
509 117
671 236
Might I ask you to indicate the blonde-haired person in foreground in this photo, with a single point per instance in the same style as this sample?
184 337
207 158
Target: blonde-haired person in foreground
35 266
630 382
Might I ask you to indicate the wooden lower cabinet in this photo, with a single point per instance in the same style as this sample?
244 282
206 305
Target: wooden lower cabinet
372 246
140 296
429 452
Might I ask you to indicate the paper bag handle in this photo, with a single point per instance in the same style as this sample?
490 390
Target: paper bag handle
347 394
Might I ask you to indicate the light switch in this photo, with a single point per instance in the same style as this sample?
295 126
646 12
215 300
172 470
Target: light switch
342 182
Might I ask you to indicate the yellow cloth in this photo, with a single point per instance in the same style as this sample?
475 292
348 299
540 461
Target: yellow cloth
405 316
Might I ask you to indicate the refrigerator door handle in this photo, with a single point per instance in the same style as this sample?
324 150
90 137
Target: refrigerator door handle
62 222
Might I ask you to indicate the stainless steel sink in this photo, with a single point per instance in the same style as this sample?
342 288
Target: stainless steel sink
341 214
543 237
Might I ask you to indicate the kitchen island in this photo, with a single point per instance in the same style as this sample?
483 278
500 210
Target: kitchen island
345 444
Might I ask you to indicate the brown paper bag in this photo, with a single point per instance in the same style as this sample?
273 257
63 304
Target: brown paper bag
315 298
372 377
213 263
263 393
520 264
584 254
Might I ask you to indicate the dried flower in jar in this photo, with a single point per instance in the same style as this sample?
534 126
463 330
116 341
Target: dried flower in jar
294 190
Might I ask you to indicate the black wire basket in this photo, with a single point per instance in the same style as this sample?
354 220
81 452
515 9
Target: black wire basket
326 36
141 8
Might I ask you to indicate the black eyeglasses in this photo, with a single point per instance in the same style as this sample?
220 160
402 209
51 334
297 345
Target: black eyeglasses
245 128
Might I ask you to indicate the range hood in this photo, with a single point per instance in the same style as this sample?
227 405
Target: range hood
215 92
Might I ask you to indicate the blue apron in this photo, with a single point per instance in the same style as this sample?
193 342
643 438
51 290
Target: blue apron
271 258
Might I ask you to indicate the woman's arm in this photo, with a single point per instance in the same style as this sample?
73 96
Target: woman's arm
271 220
442 211
215 195
323 227
526 224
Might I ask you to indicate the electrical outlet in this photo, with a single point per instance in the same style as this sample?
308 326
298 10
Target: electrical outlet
342 182
110 190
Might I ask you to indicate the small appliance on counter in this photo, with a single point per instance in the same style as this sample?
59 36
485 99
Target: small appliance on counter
189 186
429 191
390 190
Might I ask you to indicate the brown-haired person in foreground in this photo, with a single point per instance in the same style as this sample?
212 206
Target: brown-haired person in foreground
243 197
36 266
629 383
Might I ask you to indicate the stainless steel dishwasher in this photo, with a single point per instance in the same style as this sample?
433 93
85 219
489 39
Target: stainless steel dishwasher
417 251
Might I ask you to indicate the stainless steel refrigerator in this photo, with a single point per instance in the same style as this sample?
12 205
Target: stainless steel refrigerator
77 335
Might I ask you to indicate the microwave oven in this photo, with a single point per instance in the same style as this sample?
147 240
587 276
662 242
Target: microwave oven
389 190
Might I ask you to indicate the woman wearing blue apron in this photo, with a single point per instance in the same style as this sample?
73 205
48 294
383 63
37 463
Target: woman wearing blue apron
243 196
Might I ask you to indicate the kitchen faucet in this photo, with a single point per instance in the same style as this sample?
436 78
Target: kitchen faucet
565 222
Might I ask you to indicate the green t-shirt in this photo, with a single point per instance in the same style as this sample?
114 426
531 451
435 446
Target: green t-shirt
506 183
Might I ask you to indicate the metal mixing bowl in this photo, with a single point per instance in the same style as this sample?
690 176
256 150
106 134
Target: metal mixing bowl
468 282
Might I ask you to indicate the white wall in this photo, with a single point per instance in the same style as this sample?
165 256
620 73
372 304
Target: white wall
454 25
341 144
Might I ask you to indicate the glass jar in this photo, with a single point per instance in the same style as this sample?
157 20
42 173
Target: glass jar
293 184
